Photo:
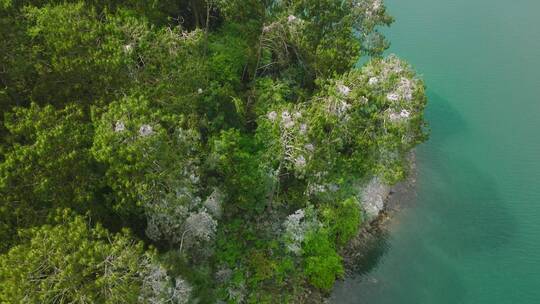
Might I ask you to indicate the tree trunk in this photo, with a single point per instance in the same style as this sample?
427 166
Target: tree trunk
197 8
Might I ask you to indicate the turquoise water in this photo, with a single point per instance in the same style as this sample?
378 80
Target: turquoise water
472 233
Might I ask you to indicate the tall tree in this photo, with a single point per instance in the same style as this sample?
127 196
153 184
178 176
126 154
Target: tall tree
72 262
47 164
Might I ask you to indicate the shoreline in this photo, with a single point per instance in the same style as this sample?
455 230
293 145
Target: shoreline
398 196
362 246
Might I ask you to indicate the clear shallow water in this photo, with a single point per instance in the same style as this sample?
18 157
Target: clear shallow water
472 233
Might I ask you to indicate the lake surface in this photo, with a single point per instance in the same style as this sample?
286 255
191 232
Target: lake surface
472 232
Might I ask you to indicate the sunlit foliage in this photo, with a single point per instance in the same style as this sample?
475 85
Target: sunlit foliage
240 143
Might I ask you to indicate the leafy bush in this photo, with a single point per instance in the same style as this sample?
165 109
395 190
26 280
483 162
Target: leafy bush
73 262
343 220
322 263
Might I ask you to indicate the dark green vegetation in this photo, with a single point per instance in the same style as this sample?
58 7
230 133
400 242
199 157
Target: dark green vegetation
177 151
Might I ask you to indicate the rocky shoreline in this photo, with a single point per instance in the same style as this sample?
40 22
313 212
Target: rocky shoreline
393 198
385 202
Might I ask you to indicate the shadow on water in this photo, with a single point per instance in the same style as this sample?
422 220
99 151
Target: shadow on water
445 121
456 194
375 248
465 206
456 219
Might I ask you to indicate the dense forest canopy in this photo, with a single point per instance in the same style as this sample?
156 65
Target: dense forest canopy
193 151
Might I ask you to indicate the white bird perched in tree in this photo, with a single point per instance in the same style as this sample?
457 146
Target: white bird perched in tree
272 116
146 130
119 127
343 89
392 96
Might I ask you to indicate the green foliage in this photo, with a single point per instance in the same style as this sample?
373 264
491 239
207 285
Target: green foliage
77 55
236 161
271 93
146 151
72 262
322 263
168 65
48 165
5 4
343 220
232 135
15 65
242 10
229 56
329 33
376 97
223 102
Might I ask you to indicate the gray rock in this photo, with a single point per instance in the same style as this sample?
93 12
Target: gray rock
373 196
